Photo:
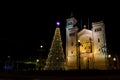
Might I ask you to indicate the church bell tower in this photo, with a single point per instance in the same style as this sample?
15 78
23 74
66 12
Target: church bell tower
99 46
71 39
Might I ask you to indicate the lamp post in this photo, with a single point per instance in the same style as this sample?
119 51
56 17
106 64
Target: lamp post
41 46
41 51
109 61
78 53
114 63
109 56
37 64
117 62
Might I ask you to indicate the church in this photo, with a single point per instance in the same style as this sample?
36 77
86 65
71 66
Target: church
85 49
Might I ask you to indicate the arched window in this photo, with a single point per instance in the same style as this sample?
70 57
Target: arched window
98 40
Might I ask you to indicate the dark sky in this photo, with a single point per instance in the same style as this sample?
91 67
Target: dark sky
25 27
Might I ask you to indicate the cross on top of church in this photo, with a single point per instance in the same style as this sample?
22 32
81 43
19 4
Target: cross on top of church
84 26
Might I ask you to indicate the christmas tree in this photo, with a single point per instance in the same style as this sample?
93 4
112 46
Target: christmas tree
56 58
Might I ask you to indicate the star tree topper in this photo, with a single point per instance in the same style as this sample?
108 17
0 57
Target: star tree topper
58 23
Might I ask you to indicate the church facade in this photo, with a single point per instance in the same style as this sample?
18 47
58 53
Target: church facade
85 49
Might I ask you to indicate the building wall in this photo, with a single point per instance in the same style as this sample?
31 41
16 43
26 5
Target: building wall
71 50
99 45
92 49
86 56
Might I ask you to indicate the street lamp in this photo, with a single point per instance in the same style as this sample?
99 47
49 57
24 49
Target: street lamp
37 64
41 46
41 49
37 60
114 59
114 63
109 56
117 59
110 61
78 52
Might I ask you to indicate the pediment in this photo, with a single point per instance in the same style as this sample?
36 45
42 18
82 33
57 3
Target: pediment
85 32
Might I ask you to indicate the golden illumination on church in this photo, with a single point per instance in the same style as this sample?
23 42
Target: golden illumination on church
85 48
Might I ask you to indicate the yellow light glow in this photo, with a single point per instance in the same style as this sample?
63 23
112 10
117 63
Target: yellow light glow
37 60
85 58
96 51
78 40
109 56
41 46
114 59
90 55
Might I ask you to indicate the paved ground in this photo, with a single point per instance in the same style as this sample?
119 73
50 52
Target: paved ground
61 75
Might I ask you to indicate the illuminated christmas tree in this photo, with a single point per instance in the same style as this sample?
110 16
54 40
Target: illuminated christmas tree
56 58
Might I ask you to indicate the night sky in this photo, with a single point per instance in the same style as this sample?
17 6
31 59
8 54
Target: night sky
24 28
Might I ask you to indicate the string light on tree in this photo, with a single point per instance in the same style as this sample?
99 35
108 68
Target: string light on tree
56 58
